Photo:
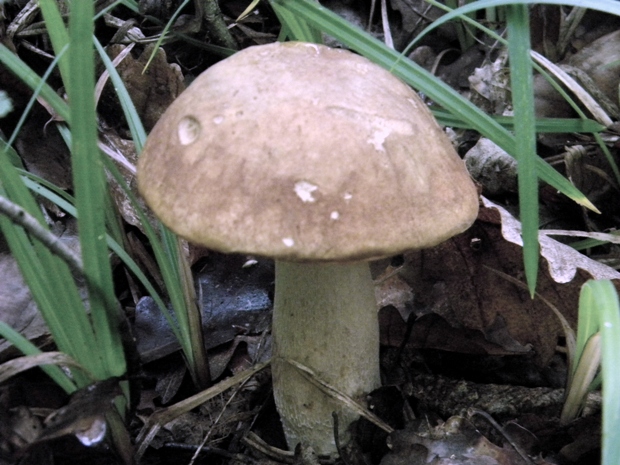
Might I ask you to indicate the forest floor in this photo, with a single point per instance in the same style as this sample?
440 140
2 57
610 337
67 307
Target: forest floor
461 340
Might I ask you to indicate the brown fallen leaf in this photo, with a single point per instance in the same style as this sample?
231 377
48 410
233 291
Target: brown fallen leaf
151 89
431 331
391 289
18 428
454 281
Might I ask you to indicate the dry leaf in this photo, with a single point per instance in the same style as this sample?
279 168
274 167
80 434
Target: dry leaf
454 281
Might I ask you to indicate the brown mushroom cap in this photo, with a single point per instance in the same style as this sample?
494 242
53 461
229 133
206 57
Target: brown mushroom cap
302 152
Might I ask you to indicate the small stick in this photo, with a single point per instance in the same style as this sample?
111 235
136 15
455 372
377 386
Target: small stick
334 393
24 219
473 411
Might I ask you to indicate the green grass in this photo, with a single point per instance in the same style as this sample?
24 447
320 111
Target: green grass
521 83
89 332
92 339
55 290
97 231
598 345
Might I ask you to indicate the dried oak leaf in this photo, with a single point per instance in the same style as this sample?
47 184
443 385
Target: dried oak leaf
456 282
564 262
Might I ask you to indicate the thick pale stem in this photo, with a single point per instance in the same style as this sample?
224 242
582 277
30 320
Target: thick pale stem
325 318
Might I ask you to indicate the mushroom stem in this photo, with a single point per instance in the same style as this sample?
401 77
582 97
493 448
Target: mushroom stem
325 318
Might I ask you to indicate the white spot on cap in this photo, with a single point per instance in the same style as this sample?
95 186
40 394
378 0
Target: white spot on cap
362 68
347 196
188 130
314 46
334 215
413 102
304 190
219 119
288 241
378 138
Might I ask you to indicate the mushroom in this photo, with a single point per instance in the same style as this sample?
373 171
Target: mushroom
321 160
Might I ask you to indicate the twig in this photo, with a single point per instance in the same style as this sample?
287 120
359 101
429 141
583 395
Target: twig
234 456
217 29
254 441
334 393
24 219
473 411
216 421
337 439
166 415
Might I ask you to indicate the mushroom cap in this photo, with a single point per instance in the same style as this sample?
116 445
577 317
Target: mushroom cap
301 152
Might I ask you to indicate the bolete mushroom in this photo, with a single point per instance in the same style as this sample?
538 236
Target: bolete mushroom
321 160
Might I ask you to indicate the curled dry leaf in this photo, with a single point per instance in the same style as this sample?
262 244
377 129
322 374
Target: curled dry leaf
563 261
490 86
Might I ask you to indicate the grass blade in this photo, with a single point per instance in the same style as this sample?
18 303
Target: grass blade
599 310
295 27
34 81
58 35
167 251
91 191
606 6
28 348
61 199
47 276
543 125
131 114
525 134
